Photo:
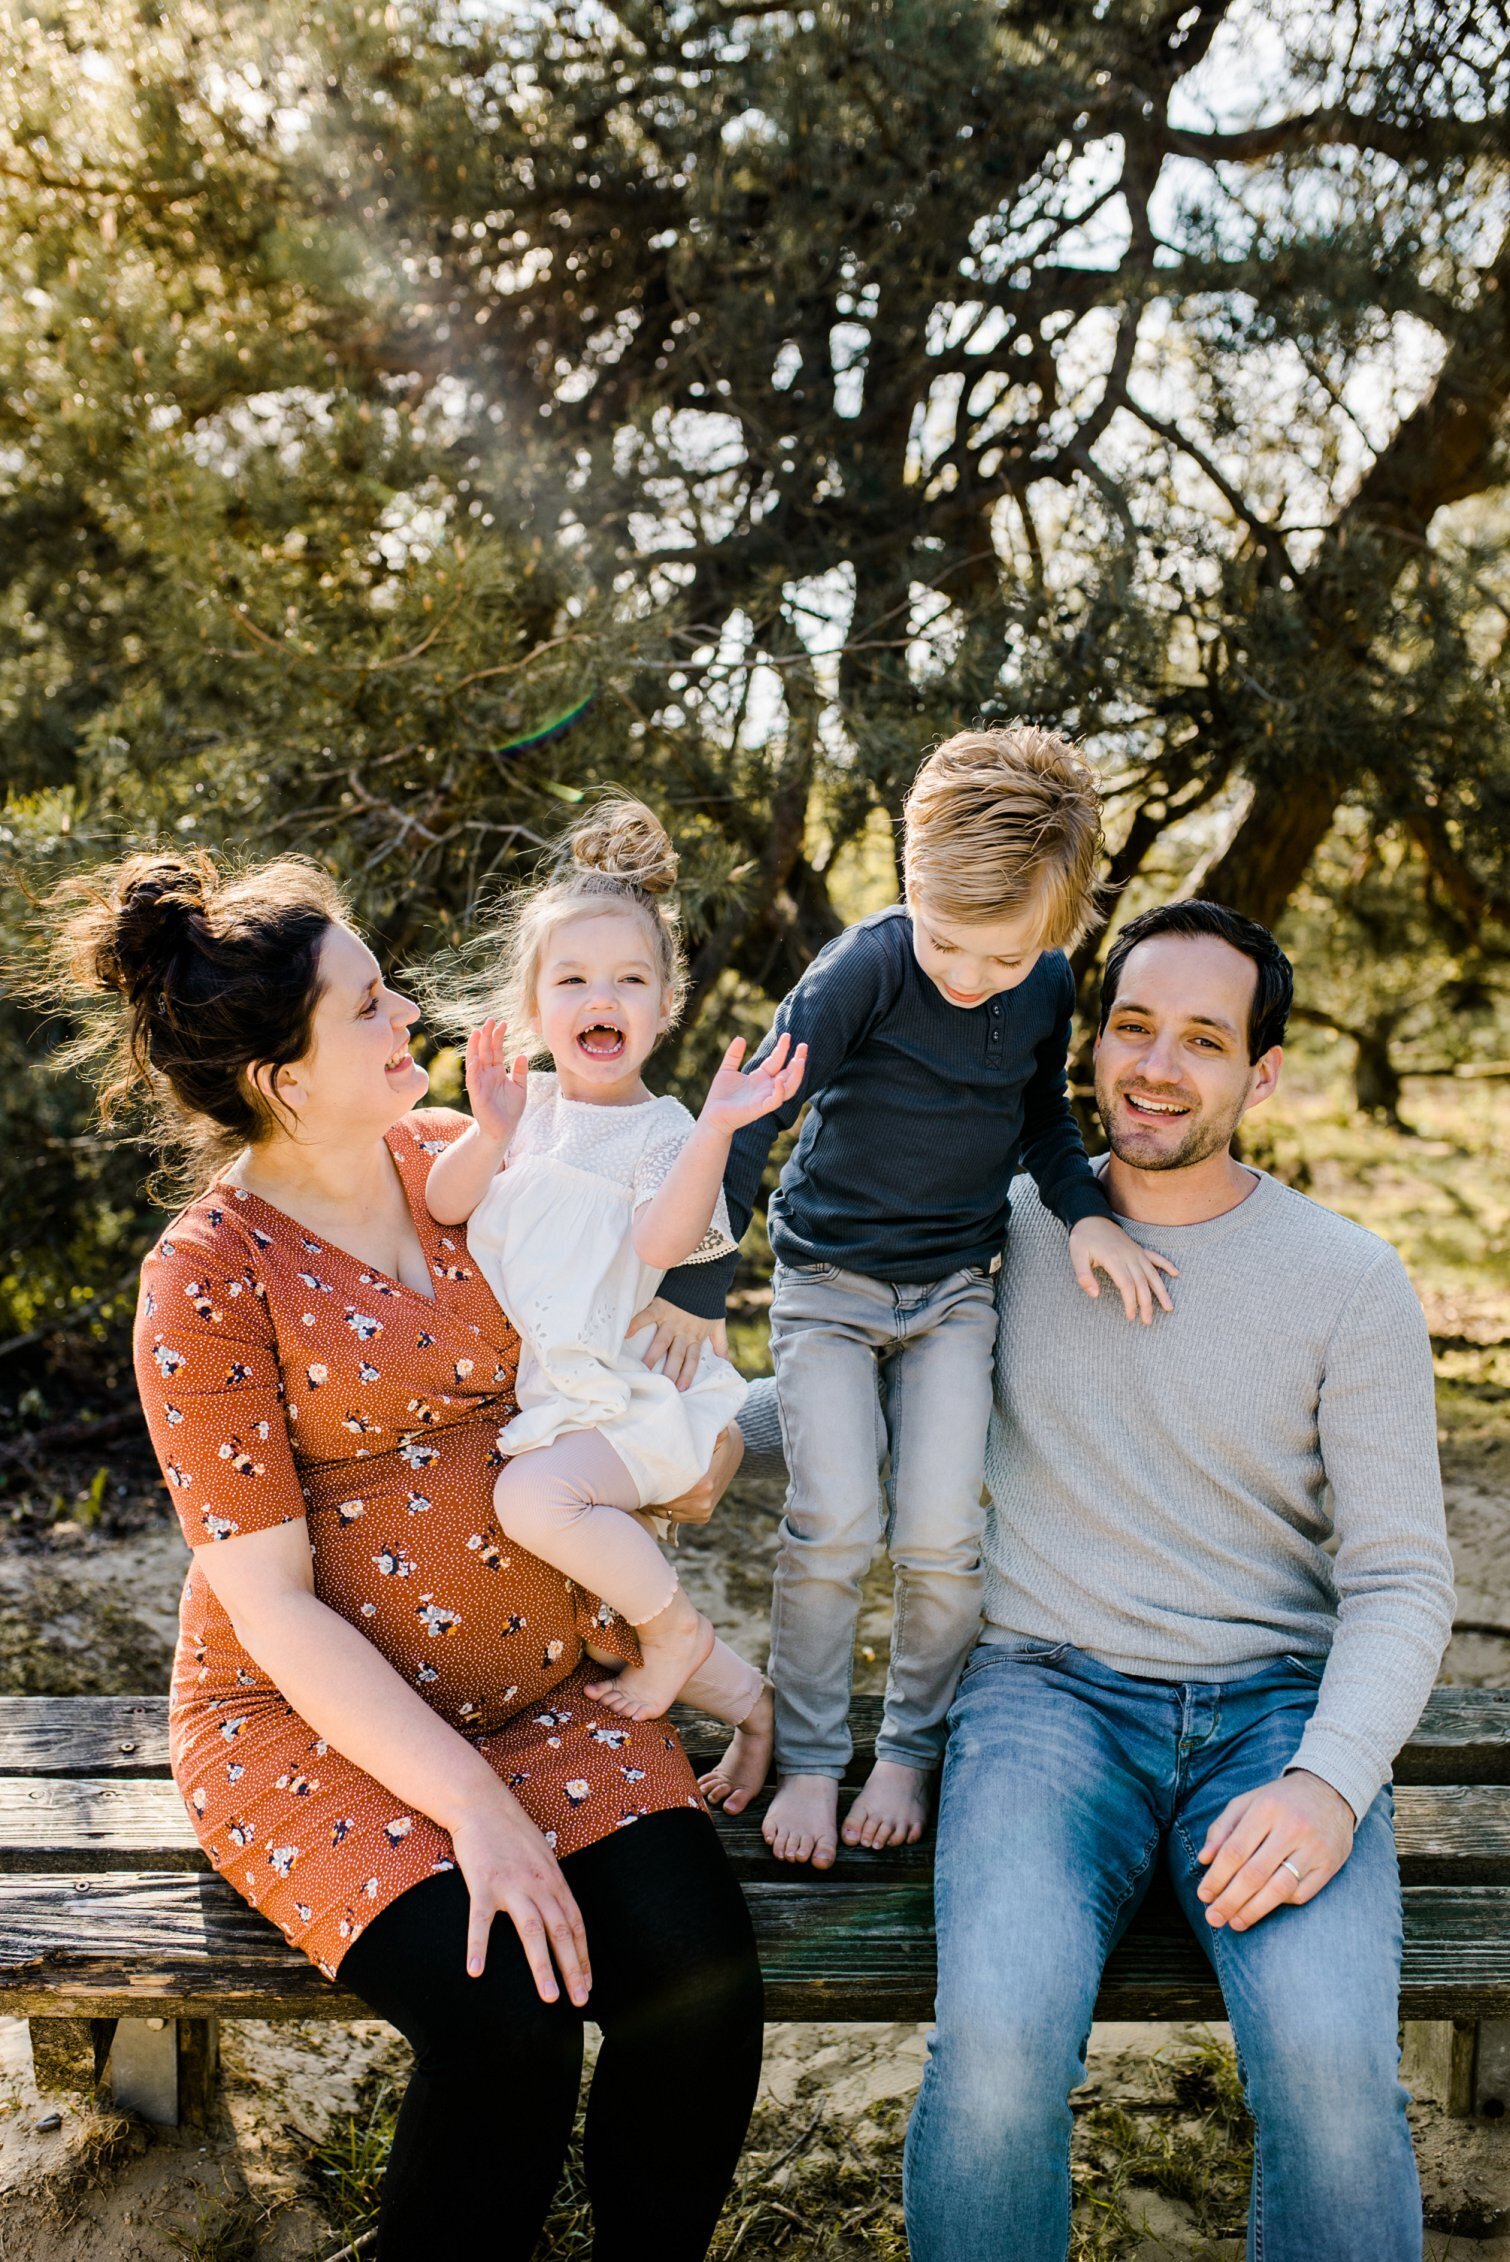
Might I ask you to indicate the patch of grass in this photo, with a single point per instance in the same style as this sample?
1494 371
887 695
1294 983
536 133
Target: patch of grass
227 2226
347 2165
810 2188
1192 2144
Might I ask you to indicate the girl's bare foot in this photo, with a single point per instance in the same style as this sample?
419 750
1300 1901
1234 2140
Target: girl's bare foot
892 1810
802 1821
673 1644
747 1762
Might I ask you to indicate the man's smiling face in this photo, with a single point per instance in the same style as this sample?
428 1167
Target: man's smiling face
1173 1076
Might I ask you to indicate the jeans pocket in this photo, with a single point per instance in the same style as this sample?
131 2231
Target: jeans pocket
986 1654
809 1272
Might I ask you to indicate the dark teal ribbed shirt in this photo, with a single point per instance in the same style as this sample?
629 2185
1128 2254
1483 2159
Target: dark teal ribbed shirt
919 1114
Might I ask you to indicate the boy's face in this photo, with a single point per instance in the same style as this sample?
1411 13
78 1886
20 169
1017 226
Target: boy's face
967 965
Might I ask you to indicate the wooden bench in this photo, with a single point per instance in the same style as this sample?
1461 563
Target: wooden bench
124 1950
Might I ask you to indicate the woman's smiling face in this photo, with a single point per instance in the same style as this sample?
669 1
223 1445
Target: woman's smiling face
357 1067
599 1003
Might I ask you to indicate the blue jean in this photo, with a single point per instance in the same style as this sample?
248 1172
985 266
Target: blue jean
1065 1784
863 1365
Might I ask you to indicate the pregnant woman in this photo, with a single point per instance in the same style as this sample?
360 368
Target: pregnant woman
378 1716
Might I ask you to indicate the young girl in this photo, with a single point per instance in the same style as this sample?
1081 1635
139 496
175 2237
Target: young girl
579 1190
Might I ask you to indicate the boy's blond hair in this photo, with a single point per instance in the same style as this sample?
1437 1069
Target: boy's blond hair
1000 822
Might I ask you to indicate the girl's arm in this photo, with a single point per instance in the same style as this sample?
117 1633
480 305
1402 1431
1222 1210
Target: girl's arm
670 1225
352 1697
462 1175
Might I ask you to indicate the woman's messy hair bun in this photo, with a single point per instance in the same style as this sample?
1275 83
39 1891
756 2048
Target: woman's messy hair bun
180 979
154 908
625 841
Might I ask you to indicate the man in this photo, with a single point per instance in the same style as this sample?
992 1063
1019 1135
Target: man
1217 1594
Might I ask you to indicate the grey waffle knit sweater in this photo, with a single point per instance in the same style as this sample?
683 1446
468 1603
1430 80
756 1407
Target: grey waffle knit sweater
1252 1476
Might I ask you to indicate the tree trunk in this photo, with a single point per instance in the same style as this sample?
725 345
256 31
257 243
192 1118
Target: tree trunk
1266 859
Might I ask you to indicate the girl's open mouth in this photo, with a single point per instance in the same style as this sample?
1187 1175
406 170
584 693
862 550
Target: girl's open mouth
601 1041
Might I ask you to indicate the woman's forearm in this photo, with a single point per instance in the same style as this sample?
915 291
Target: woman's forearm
352 1697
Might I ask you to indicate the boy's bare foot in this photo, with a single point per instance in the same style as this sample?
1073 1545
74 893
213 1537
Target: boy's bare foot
673 1644
891 1810
802 1821
747 1762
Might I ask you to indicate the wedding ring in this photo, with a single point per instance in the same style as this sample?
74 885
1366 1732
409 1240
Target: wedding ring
1294 1872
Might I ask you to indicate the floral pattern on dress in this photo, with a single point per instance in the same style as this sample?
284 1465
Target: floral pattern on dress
283 1379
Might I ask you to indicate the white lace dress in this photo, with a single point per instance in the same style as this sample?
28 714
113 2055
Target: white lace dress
552 1237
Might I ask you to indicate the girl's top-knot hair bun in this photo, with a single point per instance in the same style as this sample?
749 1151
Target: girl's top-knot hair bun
625 841
159 904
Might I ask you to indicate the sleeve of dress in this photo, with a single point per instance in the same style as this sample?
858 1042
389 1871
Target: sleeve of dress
212 1389
673 1127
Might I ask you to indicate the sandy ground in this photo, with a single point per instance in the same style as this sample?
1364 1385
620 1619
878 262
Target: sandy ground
98 2188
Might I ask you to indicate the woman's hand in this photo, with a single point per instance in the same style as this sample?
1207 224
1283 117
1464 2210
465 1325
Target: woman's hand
677 1344
510 1870
698 1503
496 1091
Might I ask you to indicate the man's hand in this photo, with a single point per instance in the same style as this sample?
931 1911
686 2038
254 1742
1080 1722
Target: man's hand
1097 1245
1255 1840
696 1505
677 1344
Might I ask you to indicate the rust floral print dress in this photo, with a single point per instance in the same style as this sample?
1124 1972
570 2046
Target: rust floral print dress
283 1379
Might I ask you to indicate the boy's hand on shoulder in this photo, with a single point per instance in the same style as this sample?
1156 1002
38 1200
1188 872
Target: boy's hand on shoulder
497 1091
1099 1245
735 1100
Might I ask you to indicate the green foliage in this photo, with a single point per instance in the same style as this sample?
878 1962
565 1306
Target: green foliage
379 383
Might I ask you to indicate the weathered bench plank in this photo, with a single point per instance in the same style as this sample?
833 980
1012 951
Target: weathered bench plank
1447 1833
133 1944
83 1735
1463 1737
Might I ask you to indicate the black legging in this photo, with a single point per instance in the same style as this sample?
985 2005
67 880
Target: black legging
487 2116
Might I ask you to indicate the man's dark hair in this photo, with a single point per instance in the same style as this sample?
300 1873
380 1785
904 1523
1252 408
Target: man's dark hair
1273 992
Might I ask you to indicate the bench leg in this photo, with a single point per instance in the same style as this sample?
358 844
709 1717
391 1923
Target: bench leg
198 2069
70 2054
1491 2071
143 2071
165 2069
1463 2063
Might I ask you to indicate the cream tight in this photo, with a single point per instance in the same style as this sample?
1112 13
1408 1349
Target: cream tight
574 1505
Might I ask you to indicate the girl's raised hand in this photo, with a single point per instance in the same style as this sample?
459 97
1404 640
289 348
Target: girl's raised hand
734 1100
496 1090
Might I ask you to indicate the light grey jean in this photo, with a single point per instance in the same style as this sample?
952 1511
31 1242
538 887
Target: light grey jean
863 1366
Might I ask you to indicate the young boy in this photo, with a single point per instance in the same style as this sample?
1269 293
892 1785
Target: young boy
936 1036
